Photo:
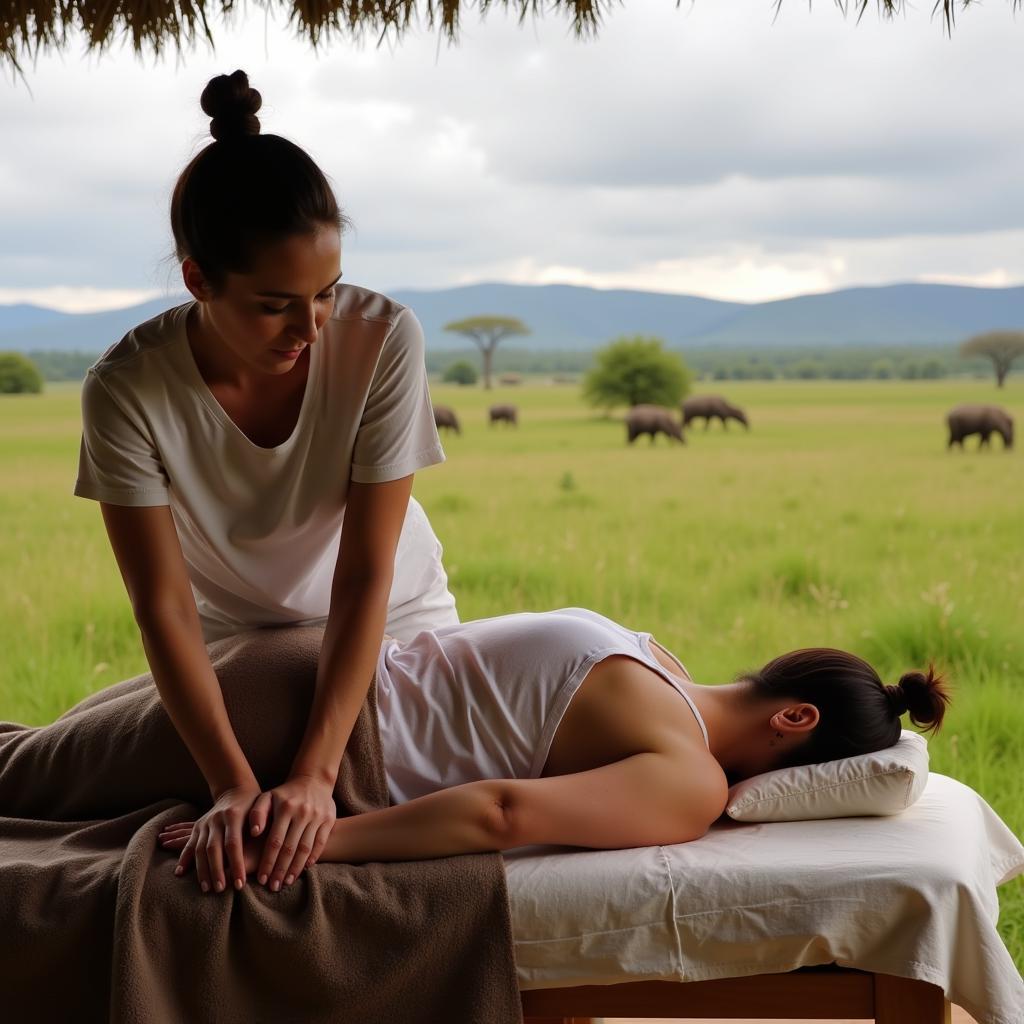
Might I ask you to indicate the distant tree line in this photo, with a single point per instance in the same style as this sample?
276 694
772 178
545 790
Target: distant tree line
847 362
853 362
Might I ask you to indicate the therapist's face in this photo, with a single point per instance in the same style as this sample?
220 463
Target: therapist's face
265 318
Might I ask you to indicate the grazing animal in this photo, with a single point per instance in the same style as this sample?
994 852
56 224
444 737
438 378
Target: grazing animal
653 420
985 420
709 407
445 417
504 414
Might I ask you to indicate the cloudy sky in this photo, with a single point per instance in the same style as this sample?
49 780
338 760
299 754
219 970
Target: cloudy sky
710 149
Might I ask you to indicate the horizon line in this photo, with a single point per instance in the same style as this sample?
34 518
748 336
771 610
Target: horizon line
567 284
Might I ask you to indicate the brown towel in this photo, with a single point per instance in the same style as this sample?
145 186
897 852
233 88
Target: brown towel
95 927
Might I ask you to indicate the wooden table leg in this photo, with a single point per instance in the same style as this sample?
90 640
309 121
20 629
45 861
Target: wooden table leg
907 1001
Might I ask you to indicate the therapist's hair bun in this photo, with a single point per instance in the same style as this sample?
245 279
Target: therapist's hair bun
232 105
923 694
246 189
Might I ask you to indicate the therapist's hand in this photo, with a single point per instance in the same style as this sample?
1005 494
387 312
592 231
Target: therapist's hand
218 835
301 812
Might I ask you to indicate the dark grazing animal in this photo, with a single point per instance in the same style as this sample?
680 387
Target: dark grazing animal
445 417
986 420
504 414
709 407
653 420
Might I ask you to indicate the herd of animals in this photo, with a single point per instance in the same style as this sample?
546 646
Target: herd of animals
962 421
444 416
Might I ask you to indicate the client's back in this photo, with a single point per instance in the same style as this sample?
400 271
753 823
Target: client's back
483 699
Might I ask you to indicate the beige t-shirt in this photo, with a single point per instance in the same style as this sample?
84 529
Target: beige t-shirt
259 527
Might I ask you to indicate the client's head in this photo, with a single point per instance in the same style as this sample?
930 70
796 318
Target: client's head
823 704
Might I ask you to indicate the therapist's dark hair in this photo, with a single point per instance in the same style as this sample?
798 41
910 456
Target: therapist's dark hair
245 189
858 713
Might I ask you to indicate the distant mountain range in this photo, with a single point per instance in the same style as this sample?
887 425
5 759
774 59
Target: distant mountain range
570 317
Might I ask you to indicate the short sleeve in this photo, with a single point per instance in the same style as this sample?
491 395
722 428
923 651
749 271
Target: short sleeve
118 462
397 435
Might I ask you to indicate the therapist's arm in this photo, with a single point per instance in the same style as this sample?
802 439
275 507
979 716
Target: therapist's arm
302 810
148 552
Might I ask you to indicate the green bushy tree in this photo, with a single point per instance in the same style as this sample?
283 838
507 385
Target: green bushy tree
636 370
462 371
19 375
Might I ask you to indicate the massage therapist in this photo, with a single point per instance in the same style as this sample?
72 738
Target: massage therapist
253 453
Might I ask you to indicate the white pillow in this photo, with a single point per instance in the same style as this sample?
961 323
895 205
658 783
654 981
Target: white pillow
885 782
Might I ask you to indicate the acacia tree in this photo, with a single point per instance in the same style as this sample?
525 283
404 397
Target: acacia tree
486 332
1002 347
636 371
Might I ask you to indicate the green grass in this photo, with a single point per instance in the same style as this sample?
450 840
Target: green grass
839 519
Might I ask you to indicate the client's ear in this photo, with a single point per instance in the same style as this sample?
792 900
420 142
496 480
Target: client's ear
798 718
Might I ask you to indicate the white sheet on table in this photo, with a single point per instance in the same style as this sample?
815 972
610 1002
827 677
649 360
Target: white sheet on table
911 895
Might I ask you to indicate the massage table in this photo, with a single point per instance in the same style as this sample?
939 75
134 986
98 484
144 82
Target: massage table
885 918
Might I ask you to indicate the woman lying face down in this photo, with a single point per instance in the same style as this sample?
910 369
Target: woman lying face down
566 728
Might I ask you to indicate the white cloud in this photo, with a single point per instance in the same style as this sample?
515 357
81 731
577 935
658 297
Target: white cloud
998 278
740 277
751 273
700 149
77 300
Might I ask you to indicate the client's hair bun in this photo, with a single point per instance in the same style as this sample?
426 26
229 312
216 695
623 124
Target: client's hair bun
924 694
232 106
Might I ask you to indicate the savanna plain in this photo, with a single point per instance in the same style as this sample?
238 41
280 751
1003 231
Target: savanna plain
840 519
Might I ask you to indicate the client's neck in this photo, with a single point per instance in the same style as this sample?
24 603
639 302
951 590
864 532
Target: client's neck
740 737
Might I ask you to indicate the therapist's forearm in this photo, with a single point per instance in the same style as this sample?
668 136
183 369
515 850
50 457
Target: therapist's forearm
348 658
191 694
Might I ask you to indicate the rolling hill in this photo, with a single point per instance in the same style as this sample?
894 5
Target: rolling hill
571 317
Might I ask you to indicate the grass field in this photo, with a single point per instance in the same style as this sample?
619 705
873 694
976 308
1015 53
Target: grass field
840 519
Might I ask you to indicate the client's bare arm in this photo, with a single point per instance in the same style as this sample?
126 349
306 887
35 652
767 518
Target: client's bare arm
643 800
651 798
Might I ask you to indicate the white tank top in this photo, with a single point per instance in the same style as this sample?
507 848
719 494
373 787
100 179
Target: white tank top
482 699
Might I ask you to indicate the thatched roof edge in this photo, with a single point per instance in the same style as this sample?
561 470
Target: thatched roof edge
31 27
